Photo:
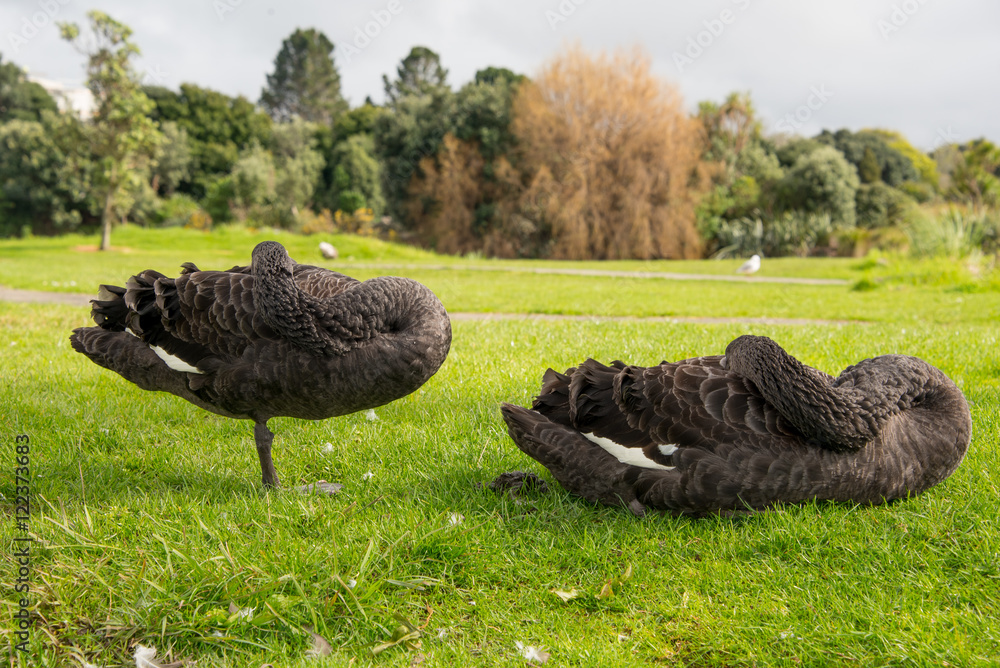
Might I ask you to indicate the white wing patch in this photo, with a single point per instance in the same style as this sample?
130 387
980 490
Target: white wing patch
175 363
667 449
633 456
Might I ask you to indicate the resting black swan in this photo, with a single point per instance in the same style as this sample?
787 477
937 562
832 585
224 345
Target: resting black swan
745 431
274 338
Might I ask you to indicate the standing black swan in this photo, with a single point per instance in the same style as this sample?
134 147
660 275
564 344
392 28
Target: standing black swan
271 339
745 431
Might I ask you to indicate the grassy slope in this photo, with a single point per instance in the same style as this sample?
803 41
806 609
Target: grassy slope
151 522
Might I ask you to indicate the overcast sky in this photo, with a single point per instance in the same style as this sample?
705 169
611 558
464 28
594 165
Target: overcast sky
928 68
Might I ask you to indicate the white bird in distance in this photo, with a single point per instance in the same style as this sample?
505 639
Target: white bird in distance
750 266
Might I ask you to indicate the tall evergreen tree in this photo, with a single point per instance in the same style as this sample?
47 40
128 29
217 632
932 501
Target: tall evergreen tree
305 83
420 73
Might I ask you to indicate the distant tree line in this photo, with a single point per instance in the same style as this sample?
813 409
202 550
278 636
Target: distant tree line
594 158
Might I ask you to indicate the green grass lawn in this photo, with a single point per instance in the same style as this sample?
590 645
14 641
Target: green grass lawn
151 526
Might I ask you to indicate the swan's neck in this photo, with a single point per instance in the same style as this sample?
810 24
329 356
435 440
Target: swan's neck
843 413
286 309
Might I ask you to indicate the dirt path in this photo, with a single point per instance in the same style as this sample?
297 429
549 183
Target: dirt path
76 299
669 276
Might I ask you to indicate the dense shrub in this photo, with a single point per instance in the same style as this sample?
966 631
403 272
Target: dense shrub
821 182
880 205
792 233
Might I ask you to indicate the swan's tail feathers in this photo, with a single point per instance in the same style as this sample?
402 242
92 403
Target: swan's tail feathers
109 310
140 297
553 401
580 466
129 357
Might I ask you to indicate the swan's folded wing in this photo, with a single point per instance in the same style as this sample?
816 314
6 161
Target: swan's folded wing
696 403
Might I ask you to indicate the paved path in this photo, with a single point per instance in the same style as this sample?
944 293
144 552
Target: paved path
39 297
76 299
654 318
569 271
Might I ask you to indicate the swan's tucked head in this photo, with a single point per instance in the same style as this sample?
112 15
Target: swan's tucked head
269 258
742 350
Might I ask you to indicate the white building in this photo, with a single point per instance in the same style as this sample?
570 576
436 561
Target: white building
68 97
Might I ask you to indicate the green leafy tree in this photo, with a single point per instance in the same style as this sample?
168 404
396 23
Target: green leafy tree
45 175
218 126
976 179
729 128
483 111
305 83
253 180
789 152
868 169
173 159
880 205
420 73
298 164
20 98
357 121
358 175
822 182
496 75
922 162
412 131
122 136
894 167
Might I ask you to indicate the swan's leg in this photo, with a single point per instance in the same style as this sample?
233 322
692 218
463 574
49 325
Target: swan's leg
263 437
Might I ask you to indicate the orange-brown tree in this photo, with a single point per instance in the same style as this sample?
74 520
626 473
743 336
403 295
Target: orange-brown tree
609 163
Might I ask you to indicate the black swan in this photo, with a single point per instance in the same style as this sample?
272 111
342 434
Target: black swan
274 338
744 431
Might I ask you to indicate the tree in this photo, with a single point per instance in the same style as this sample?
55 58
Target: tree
790 151
922 162
868 169
608 161
218 128
894 166
173 159
412 131
357 175
454 201
45 175
253 179
444 197
730 128
356 121
822 182
420 73
880 205
495 75
20 98
122 136
977 177
305 83
483 111
297 162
